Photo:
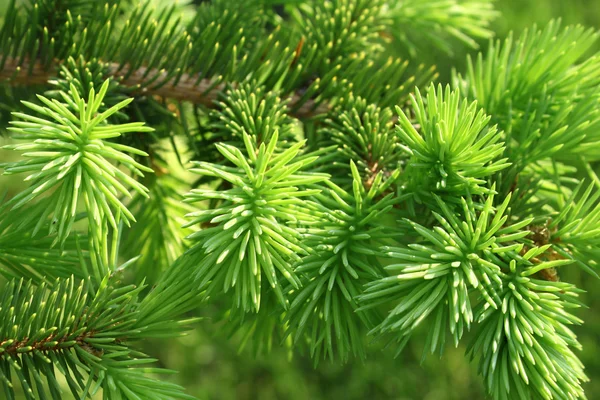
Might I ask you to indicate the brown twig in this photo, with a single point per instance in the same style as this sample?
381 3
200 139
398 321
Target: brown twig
23 346
146 82
24 73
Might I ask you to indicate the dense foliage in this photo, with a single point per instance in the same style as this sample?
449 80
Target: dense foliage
295 171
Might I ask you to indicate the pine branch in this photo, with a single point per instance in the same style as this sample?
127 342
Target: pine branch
149 82
344 245
70 151
546 102
295 258
254 235
435 279
574 229
210 53
63 327
524 346
362 133
452 148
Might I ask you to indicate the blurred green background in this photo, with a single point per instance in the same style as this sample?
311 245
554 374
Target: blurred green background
211 367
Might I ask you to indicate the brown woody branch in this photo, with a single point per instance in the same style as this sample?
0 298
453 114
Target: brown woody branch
146 82
49 343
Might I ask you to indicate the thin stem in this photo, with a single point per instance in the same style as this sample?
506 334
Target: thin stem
147 83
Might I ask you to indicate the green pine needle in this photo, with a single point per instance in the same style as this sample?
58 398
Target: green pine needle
453 149
250 235
436 275
324 312
524 346
69 156
61 327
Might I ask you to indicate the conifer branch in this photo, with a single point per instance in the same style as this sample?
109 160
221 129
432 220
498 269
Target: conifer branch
453 211
64 327
149 82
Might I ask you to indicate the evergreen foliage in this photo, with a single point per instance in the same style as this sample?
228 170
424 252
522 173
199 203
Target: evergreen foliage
277 161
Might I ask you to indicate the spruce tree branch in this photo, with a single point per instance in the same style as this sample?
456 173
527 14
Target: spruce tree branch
81 320
48 344
59 327
148 82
